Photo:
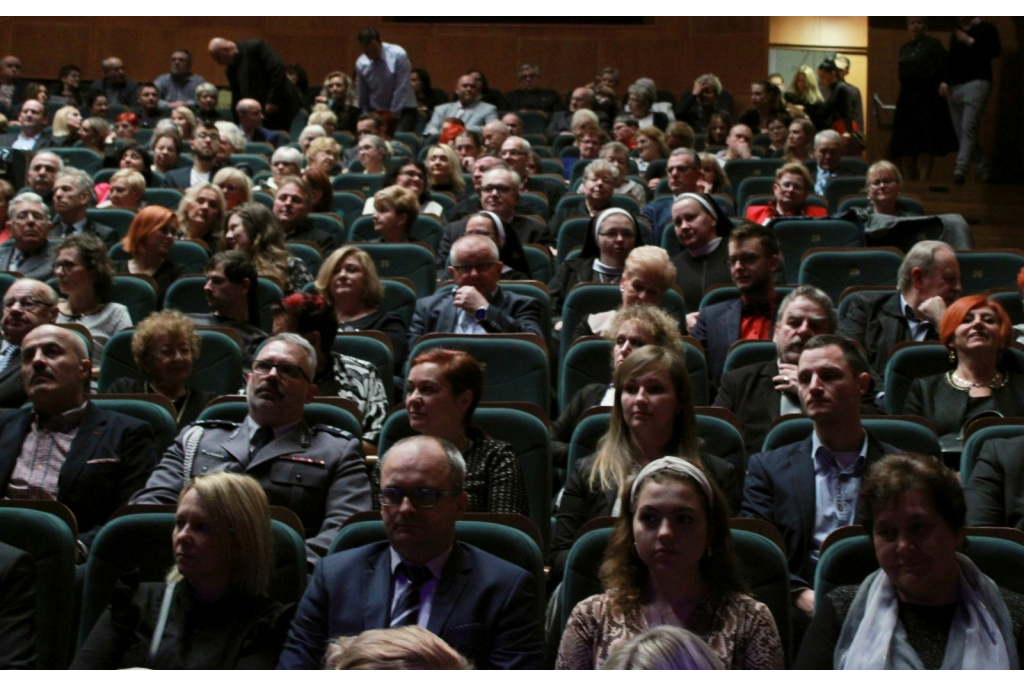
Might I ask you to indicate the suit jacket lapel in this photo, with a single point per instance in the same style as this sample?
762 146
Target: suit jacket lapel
766 395
802 465
378 585
894 323
454 580
733 316
10 444
82 447
447 317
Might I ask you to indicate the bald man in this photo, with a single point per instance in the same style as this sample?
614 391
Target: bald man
255 71
64 447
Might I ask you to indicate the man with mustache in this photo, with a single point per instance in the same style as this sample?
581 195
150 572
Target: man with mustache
27 304
316 471
64 447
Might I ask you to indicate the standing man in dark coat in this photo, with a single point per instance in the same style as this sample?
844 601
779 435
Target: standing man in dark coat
255 71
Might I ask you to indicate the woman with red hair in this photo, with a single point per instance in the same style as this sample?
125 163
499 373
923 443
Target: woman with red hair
982 380
149 241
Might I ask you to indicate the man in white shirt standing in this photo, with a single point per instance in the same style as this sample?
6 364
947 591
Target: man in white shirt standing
382 75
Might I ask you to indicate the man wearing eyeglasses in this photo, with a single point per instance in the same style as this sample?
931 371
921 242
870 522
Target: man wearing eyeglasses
482 606
30 253
205 148
27 304
477 305
753 260
683 172
316 471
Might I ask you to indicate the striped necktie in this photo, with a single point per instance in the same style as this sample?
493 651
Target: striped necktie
407 608
7 355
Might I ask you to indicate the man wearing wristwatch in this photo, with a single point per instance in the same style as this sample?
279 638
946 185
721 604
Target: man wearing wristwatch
477 305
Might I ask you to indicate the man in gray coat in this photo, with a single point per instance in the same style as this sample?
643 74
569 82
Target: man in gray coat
316 471
30 252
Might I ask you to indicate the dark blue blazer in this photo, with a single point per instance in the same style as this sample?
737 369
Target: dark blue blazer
110 458
718 327
779 488
508 313
181 178
483 607
659 212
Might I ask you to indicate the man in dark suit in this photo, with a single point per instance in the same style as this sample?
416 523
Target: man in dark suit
64 447
477 304
30 253
31 137
759 393
928 281
995 493
255 71
753 260
27 304
17 609
71 196
482 606
499 193
528 96
810 488
205 148
12 86
118 88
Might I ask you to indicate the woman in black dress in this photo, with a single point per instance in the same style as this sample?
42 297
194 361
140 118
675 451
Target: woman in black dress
921 128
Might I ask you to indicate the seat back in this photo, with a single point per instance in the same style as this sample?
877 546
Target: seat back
909 206
999 429
835 269
848 294
164 197
348 205
731 292
190 256
256 162
840 186
217 369
849 561
901 432
539 260
848 166
307 254
797 236
1010 300
721 437
586 361
373 350
515 368
504 542
117 219
330 225
536 204
155 415
186 295
143 541
908 361
746 352
136 294
751 186
984 269
367 184
398 297
424 230
738 169
52 546
527 435
82 158
408 260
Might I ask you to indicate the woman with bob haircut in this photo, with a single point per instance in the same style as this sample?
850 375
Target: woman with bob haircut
412 175
66 123
164 346
670 562
85 275
664 648
928 606
149 241
409 648
219 615
201 214
348 280
652 416
323 153
235 184
394 213
253 229
443 389
125 190
982 380
167 149
373 154
185 120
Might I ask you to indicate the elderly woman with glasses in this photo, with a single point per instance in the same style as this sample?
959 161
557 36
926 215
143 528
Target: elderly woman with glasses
164 346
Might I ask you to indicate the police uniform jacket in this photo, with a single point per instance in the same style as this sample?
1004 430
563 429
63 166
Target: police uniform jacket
318 472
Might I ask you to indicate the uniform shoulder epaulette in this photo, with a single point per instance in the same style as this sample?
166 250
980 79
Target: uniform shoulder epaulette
216 423
333 430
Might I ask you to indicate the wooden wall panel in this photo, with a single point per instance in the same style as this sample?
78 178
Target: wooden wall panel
671 50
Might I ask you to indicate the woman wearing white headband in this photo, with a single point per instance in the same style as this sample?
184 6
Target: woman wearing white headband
610 238
510 250
670 562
